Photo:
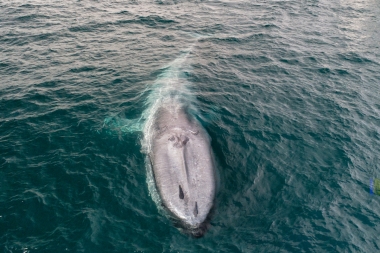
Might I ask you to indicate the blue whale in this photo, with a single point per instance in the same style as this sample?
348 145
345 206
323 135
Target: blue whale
183 166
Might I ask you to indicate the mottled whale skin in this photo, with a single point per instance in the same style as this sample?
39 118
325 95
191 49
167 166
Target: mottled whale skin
183 167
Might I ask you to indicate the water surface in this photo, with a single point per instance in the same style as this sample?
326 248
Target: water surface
288 91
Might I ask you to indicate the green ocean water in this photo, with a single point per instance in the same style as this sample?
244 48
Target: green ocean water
288 91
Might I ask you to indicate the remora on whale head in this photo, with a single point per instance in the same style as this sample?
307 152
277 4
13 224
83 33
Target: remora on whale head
183 167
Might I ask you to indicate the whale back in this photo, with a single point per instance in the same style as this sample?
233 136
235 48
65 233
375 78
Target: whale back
183 166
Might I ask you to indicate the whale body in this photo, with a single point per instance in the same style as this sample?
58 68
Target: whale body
183 166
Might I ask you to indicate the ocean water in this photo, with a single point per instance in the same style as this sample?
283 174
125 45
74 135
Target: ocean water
288 91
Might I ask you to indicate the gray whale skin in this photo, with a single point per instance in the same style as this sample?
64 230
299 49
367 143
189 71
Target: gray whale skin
184 169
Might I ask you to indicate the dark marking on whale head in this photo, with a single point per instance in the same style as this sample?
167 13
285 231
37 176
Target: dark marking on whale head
180 141
196 209
184 139
181 195
160 131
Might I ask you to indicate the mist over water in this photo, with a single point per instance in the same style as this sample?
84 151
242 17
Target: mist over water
288 92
